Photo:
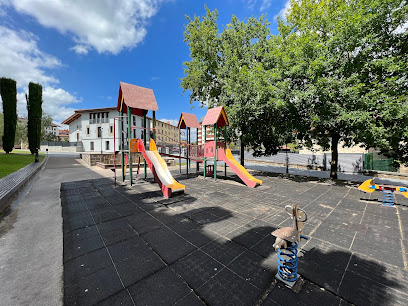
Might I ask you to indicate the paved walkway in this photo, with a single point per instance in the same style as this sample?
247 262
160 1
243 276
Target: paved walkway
31 238
212 245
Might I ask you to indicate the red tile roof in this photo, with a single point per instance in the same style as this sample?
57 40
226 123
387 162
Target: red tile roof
71 118
95 110
188 120
216 115
137 98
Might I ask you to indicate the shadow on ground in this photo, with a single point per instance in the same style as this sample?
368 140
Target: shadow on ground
210 246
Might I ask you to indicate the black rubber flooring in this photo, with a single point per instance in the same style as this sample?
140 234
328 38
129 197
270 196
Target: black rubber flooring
127 245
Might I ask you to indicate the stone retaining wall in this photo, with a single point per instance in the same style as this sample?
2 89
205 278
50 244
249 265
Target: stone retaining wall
60 149
107 158
12 184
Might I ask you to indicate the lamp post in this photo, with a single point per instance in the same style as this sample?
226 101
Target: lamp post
101 138
36 140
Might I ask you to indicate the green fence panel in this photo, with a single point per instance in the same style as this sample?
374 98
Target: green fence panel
368 165
378 164
384 165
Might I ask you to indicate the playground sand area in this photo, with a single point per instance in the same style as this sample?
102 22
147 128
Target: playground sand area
212 245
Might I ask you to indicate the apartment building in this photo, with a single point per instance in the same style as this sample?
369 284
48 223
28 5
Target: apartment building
210 133
53 129
95 128
166 133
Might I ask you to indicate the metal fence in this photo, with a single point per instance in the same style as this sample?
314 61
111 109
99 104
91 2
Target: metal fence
61 144
375 161
348 162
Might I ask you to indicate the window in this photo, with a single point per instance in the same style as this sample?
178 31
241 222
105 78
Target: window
92 146
87 131
111 129
99 132
107 145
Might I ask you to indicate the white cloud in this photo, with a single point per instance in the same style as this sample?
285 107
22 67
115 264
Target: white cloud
106 25
24 62
250 3
80 49
401 29
265 5
55 102
284 11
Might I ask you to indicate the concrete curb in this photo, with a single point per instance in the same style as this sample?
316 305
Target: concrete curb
15 184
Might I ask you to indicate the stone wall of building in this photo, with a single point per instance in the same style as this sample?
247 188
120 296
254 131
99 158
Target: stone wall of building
108 158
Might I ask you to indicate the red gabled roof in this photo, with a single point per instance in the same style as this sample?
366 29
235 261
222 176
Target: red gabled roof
188 120
216 115
71 118
139 99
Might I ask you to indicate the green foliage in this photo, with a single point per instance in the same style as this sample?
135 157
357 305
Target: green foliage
234 69
348 66
34 107
8 91
337 71
46 128
21 132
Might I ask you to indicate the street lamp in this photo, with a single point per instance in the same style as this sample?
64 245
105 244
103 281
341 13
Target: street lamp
101 138
36 140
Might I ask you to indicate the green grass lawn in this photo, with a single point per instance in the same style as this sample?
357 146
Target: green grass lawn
14 161
21 152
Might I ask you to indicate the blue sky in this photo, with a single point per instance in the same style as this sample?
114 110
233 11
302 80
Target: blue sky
80 50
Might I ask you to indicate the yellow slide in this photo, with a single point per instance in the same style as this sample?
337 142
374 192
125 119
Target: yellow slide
161 169
243 174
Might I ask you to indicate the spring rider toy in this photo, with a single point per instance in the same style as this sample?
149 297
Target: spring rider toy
286 243
386 190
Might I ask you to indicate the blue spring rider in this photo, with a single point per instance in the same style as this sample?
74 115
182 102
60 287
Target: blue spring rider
286 243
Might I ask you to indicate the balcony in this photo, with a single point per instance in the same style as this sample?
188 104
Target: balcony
99 120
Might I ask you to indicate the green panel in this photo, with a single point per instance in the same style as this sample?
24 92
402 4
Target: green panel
384 165
368 161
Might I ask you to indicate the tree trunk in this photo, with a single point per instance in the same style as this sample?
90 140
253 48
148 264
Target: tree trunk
335 156
241 155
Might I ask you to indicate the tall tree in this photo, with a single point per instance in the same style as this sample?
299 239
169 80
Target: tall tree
21 132
347 69
8 91
34 107
234 69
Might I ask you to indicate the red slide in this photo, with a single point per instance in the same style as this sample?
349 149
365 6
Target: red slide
158 166
226 156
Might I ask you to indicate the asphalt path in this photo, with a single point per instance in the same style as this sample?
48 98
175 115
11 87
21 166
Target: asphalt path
31 237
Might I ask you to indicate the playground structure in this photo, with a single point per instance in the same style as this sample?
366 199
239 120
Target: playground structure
386 190
286 243
213 151
135 100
